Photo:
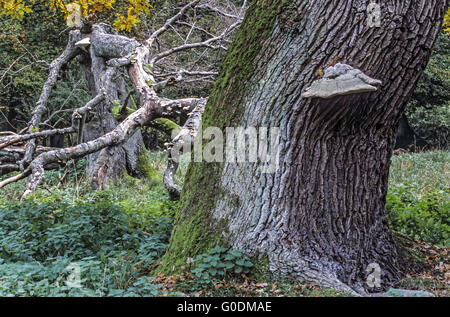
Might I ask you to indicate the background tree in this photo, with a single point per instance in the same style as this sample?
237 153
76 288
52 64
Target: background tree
27 47
428 111
321 215
426 122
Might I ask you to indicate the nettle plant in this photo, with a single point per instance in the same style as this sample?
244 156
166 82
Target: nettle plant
221 262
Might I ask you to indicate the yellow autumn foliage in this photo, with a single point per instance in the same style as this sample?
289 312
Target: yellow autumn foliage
15 8
446 25
126 12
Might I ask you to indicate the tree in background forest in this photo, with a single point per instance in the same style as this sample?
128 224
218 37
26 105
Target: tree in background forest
426 122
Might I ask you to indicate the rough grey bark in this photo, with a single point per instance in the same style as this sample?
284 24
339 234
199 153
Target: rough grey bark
321 215
106 44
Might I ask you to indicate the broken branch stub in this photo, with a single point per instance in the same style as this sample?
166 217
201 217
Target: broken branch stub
110 45
341 79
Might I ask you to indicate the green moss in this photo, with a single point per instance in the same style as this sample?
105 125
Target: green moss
225 101
119 112
130 181
196 231
166 125
145 168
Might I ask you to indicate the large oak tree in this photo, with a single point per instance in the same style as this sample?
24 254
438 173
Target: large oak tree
321 216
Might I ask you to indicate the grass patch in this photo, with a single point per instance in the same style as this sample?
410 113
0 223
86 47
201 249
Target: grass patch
418 199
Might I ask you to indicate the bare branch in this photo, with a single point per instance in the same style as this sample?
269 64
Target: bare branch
7 141
78 113
208 43
8 168
188 73
15 178
221 12
169 22
61 108
11 66
194 27
186 135
178 77
69 53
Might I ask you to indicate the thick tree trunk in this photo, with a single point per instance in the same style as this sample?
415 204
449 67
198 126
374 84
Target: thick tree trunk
321 215
116 159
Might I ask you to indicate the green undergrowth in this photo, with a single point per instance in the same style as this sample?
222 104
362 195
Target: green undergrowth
117 237
167 125
113 248
418 199
114 237
146 169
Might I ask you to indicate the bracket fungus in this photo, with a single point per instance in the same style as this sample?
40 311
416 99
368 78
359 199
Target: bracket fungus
83 43
341 79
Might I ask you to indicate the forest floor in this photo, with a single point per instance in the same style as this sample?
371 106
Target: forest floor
67 240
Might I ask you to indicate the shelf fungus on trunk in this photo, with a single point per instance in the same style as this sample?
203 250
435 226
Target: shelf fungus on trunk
341 79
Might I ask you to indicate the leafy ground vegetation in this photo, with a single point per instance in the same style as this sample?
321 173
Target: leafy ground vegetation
116 237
